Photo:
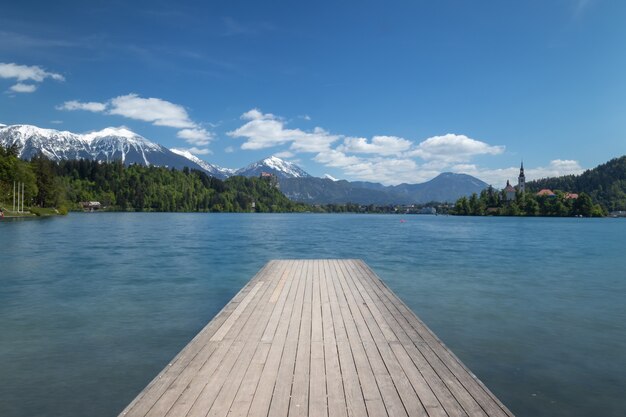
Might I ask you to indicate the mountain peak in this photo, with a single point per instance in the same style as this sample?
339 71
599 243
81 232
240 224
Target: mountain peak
273 165
120 132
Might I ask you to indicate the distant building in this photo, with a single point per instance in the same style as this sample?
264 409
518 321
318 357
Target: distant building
509 191
91 205
571 196
521 180
271 178
546 193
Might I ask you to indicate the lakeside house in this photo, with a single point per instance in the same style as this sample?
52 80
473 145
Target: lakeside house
91 206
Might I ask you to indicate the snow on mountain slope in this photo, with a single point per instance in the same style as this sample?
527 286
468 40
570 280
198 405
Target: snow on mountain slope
226 172
109 144
54 144
273 165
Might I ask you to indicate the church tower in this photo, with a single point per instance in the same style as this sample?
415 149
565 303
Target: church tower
521 180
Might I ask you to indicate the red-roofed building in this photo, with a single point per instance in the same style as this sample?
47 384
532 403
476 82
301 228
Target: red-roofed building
571 196
546 193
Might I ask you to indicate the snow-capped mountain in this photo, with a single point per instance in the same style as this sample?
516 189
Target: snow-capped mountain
210 168
109 144
273 165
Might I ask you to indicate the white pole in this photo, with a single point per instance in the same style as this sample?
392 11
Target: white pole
19 185
22 196
13 195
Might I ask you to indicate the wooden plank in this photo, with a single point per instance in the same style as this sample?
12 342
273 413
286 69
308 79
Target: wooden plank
403 372
427 374
318 405
198 345
228 324
263 395
279 405
260 377
319 338
299 401
435 351
251 358
198 394
355 369
398 399
334 384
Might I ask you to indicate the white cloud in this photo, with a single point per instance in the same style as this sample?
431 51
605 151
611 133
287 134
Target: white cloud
155 110
229 149
26 73
23 88
196 136
266 130
453 148
91 106
285 154
255 114
381 145
386 159
376 169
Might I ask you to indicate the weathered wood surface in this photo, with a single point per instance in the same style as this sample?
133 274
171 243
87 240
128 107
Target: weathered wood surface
315 338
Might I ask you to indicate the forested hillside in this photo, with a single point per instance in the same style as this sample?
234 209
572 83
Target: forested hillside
64 184
605 184
601 190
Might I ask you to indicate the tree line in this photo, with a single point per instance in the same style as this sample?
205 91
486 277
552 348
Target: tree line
605 184
65 184
495 203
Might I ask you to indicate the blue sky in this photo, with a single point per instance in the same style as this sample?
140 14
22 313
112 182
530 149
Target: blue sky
381 91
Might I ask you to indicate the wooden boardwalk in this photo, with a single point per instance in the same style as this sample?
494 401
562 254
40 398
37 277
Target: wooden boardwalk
315 338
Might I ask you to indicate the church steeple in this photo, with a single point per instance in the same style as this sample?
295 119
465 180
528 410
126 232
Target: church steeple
521 180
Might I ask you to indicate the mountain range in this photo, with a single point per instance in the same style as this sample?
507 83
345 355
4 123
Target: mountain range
112 144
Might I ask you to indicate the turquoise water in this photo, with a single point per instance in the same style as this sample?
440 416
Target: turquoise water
92 306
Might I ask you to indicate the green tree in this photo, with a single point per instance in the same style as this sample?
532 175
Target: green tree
583 206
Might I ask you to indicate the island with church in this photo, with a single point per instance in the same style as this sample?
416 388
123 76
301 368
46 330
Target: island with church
521 200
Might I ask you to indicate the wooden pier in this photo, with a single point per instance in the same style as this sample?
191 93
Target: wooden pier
315 338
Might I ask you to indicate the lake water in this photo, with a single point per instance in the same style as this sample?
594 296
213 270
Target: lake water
93 306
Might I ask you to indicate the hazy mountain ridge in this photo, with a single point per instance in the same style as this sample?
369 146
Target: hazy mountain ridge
446 187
